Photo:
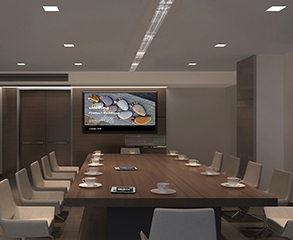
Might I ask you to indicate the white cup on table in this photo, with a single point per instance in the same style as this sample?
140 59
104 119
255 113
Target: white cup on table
210 170
173 152
98 152
163 186
96 156
233 181
92 170
182 157
89 181
193 162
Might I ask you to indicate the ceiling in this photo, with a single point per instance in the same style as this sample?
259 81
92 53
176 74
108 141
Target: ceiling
108 33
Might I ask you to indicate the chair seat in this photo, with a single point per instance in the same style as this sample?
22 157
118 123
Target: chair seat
56 184
278 224
68 168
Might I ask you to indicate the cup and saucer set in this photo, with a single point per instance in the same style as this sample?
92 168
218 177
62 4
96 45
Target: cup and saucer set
163 188
92 171
193 163
233 182
173 153
210 171
89 182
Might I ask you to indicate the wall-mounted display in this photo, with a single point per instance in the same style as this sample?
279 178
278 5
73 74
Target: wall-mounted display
119 111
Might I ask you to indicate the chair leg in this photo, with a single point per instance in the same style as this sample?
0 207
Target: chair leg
234 215
51 237
59 217
262 231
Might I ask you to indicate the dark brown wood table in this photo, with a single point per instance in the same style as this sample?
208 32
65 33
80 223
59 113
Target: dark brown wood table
193 190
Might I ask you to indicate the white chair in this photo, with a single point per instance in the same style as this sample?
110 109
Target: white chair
49 175
217 160
30 197
130 151
47 185
56 168
281 186
23 222
279 220
187 224
251 177
252 174
232 168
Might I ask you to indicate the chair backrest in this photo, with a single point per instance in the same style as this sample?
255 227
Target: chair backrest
53 161
130 151
46 167
232 168
281 185
38 179
7 204
187 224
23 185
217 161
252 174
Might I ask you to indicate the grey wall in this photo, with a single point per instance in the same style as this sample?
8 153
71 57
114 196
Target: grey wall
269 115
1 131
201 121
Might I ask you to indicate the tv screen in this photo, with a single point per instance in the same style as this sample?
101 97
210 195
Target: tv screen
119 111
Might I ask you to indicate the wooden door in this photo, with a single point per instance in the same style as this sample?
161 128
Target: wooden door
32 127
44 125
58 125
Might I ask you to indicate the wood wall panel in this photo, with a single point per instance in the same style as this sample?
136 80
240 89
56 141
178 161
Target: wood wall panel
83 143
9 137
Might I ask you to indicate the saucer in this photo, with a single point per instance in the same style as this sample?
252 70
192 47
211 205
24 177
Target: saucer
169 191
239 185
210 174
96 185
100 159
193 165
184 159
101 154
95 164
93 174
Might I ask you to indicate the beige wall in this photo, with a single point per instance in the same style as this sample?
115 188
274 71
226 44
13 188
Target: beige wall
201 121
1 130
269 115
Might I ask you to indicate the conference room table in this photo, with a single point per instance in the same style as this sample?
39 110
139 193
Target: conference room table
122 216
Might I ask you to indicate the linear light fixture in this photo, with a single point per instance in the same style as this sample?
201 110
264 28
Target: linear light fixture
192 64
20 64
68 45
78 64
159 16
220 45
275 8
51 8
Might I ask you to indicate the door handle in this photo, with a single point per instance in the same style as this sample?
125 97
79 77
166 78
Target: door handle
39 143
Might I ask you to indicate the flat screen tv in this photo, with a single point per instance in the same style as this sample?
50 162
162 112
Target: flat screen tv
119 111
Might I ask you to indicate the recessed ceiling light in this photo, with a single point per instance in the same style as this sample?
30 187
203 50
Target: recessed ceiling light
51 8
68 45
275 8
220 45
21 64
78 64
192 64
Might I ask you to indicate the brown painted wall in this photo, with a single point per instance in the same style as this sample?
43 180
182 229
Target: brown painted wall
84 143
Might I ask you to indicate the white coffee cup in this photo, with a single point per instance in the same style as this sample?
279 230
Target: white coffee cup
96 156
163 186
182 157
132 151
193 161
173 152
95 161
89 181
233 181
92 170
210 170
98 152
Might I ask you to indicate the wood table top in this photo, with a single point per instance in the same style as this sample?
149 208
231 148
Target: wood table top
192 188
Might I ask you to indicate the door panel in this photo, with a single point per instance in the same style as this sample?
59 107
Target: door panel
32 128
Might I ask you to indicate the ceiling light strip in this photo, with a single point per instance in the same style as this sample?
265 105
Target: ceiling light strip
158 18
